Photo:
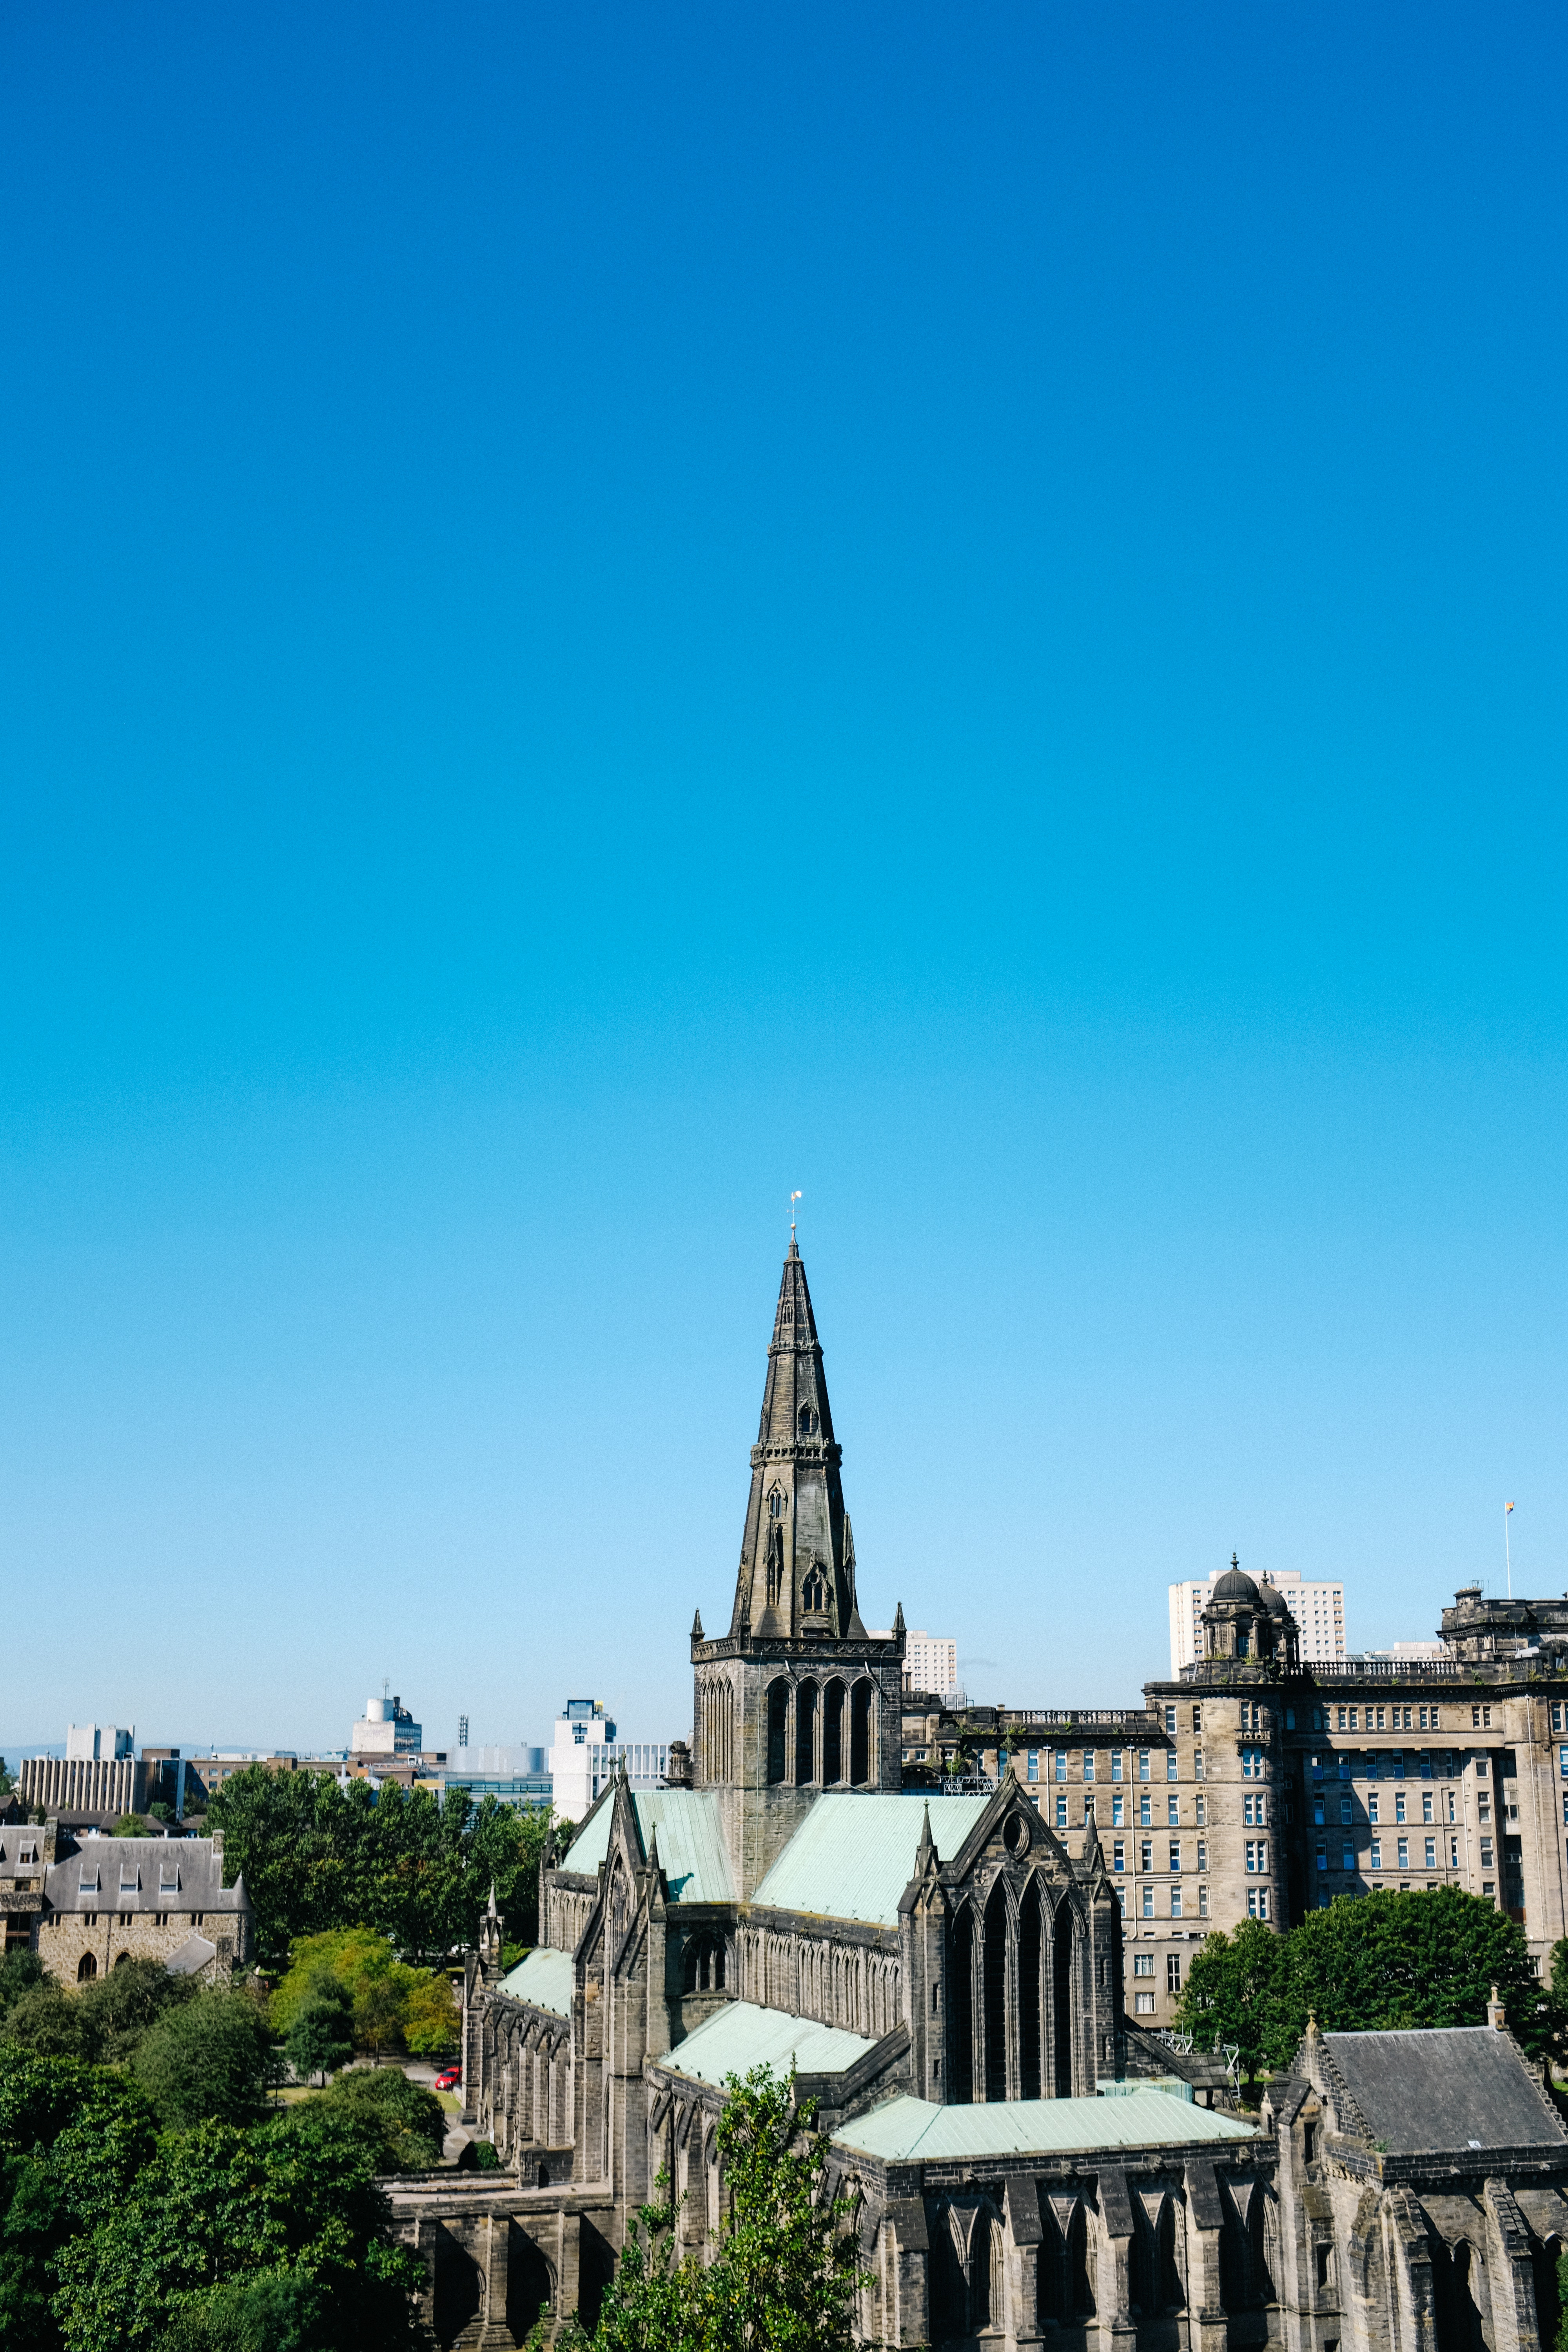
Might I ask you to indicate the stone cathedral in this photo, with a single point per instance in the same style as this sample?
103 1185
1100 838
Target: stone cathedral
945 1977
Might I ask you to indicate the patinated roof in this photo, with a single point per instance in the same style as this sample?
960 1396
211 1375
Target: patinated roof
1460 2087
853 1856
691 1849
544 1980
915 2128
741 2035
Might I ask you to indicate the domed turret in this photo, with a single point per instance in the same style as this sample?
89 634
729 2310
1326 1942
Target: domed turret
1250 1621
1236 1585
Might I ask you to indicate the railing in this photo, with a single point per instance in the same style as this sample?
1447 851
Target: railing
1383 1669
1087 1719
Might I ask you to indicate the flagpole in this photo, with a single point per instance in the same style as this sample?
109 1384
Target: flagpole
1507 1554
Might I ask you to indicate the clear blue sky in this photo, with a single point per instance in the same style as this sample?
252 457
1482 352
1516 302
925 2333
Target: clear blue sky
609 612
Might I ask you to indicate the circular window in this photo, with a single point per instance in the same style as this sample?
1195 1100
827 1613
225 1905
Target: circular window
1016 1836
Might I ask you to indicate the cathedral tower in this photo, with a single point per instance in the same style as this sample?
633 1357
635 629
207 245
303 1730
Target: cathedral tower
798 1698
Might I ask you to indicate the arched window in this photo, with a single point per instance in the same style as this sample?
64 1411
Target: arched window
1029 1946
776 1504
860 1733
961 2009
778 1727
805 1734
703 1965
832 1734
996 2005
1062 2017
86 1967
120 1958
806 1422
813 1592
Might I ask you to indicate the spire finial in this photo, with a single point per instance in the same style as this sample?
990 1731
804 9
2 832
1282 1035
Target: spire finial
794 1248
1234 1561
697 1633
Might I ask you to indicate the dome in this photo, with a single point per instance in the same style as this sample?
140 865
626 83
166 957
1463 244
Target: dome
1273 1600
1235 1585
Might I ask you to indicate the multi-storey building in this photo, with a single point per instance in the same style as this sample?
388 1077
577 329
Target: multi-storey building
931 1662
1317 1604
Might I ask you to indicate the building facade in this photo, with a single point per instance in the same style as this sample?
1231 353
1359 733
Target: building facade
86 1905
954 1973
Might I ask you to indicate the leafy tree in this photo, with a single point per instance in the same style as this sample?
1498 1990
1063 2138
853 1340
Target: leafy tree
7 1780
19 1970
320 2038
71 2141
207 2062
407 2124
1367 1963
430 2021
785 2272
129 1825
220 2207
276 2311
117 2010
393 2004
318 1859
47 2021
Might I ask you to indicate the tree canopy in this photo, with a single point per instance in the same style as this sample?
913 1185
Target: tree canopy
1367 1963
207 2061
785 2272
406 1865
116 2237
394 2006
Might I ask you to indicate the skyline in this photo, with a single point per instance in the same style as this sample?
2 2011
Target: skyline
607 621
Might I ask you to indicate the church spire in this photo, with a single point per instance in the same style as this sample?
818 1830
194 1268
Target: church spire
797 1557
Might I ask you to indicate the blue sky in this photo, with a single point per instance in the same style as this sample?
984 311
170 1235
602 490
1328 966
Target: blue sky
610 613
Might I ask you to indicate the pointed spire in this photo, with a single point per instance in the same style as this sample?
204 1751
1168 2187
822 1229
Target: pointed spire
697 1633
899 1622
653 1849
797 1557
490 1912
925 1853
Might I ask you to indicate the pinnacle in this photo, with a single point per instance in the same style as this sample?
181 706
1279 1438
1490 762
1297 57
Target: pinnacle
697 1633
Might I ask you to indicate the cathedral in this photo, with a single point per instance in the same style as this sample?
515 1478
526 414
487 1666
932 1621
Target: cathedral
944 1975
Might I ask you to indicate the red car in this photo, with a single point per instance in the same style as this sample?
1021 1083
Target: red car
449 2080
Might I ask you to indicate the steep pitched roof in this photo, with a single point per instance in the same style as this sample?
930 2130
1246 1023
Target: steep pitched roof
691 1849
544 1980
1456 2088
853 1856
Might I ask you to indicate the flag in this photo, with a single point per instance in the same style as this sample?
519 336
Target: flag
1506 1509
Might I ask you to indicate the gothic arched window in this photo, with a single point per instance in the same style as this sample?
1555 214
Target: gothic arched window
775 1503
806 1422
813 1592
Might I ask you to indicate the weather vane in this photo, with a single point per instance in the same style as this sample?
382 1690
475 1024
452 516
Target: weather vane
793 1198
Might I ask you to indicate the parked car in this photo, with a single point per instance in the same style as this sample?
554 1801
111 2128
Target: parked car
449 2078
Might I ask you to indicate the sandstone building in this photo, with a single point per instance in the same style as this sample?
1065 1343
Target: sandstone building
84 1907
951 1976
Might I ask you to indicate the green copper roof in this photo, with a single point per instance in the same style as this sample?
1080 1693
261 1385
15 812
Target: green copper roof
739 2036
691 1849
544 1979
910 2128
852 1857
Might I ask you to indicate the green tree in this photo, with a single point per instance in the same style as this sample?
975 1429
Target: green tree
1368 1963
129 1825
207 2062
47 2021
72 2139
786 2272
117 2010
393 2004
320 2038
19 1971
276 2312
220 2206
406 2123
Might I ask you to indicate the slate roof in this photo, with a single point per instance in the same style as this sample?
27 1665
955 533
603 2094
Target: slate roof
853 1856
741 2035
132 1875
544 1980
909 2130
691 1849
1456 2088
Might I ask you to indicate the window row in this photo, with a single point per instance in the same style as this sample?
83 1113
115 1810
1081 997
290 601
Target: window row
1399 1856
820 1738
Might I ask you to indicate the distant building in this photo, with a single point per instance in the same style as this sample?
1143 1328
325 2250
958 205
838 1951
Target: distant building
387 1729
1317 1604
100 1743
930 1663
584 1757
86 1786
95 1902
